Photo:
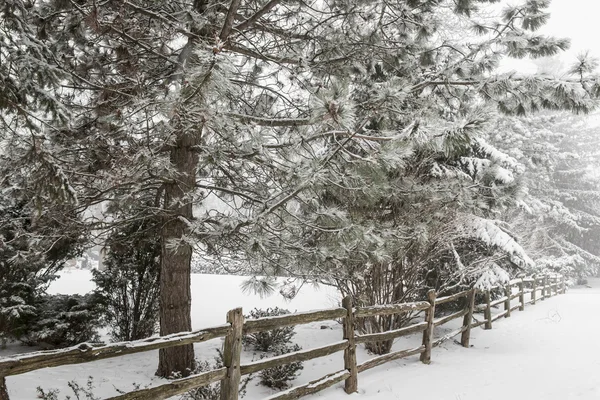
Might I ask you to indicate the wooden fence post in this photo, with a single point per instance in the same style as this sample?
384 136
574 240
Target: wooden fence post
545 289
507 294
563 284
231 356
534 290
3 390
487 313
428 332
466 335
351 384
521 295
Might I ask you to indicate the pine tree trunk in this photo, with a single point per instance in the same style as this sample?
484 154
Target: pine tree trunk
176 256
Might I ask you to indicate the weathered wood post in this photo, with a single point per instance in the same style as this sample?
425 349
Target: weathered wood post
507 294
3 390
564 284
428 332
555 284
231 355
468 319
534 290
351 384
521 295
545 289
487 313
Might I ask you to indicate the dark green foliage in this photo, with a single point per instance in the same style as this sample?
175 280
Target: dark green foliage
129 284
280 377
64 320
269 340
32 250
33 247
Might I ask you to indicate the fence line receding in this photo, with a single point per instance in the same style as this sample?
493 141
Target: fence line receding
538 288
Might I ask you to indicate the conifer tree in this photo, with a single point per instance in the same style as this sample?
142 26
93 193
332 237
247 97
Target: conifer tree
243 119
560 207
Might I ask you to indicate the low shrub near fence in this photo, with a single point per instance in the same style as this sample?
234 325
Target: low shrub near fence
538 288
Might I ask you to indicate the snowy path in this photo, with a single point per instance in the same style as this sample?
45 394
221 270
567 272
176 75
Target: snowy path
550 351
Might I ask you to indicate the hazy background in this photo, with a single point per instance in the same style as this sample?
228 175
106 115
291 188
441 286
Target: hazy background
573 19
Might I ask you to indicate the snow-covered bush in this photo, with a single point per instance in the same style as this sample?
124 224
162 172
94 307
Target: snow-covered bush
128 286
269 340
271 344
281 376
64 320
34 245
574 267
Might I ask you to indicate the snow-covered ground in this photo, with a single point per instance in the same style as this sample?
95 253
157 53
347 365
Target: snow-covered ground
547 352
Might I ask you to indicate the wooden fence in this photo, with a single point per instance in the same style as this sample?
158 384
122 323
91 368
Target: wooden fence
538 288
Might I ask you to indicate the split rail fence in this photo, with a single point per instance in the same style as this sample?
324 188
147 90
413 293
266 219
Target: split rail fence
538 288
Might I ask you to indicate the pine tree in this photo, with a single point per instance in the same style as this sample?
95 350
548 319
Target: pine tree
560 206
242 121
34 245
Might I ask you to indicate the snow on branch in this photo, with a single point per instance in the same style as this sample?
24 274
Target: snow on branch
488 232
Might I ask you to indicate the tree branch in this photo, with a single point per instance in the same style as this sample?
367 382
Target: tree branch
260 13
229 19
273 122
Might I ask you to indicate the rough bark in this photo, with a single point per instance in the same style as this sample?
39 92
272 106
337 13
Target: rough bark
280 321
507 296
428 333
311 387
467 321
488 310
231 356
301 355
176 255
521 296
351 384
3 390
379 360
174 388
23 363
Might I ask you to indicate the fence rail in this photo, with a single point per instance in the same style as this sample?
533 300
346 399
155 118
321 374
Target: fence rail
236 327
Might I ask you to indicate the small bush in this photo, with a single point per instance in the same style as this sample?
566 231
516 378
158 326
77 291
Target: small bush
129 284
269 340
280 377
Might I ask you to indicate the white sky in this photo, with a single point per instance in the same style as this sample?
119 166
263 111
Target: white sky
577 20
573 19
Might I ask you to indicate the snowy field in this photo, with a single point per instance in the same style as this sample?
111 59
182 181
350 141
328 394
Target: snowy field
547 352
